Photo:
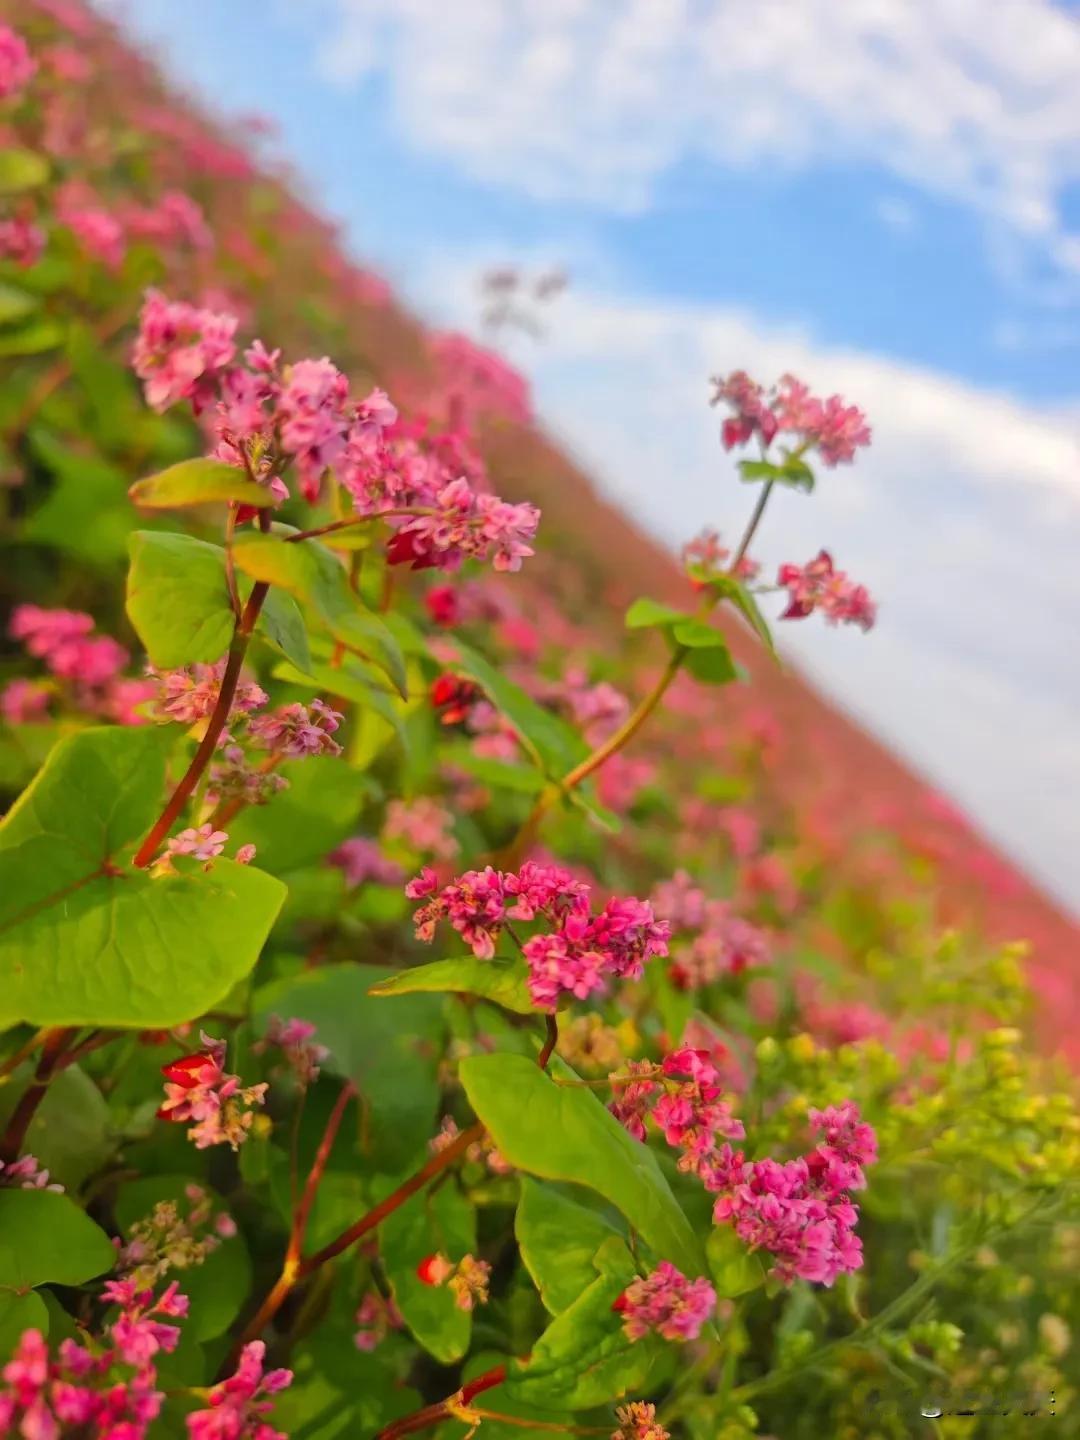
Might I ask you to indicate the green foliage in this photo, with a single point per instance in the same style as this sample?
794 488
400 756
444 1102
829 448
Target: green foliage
198 482
442 1222
177 598
85 939
500 980
21 170
44 1238
548 1126
558 1238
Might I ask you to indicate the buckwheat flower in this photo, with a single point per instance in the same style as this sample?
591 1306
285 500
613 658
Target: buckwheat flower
836 429
17 65
200 1092
169 1239
453 697
467 1280
296 730
294 1038
637 1421
98 231
238 1406
706 555
465 524
245 855
26 1173
180 351
818 585
47 632
752 413
21 241
137 1334
666 1302
24 702
176 219
203 843
376 1316
422 825
361 859
189 694
311 409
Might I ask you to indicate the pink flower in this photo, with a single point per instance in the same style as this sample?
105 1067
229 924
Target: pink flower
294 1038
24 702
667 1302
203 843
834 429
296 730
25 1173
311 407
189 694
17 66
706 555
423 826
198 1089
62 639
637 1421
800 1210
98 231
467 1280
238 1405
466 524
21 241
180 351
175 219
817 585
375 1318
361 859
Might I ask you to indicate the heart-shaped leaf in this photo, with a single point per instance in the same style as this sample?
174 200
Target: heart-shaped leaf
501 981
85 939
198 482
177 598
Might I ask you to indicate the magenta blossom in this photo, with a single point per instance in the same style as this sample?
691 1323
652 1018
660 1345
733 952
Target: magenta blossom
666 1302
818 585
17 65
180 350
296 730
238 1405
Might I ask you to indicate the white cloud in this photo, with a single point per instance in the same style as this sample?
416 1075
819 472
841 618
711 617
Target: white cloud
594 100
961 519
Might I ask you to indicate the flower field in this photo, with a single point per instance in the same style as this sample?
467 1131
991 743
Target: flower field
455 978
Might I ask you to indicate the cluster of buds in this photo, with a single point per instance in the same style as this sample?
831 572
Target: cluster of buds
467 1280
26 1173
167 1240
707 556
199 1092
239 1405
375 1318
637 1421
480 1152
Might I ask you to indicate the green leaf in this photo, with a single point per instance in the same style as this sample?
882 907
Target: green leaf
443 1221
728 587
797 474
216 1288
351 680
585 1357
86 512
713 666
317 578
499 980
558 1238
733 1267
20 1312
70 1132
696 635
306 821
198 482
500 773
36 335
557 746
563 1132
177 598
46 1237
391 1053
644 613
21 170
85 939
754 470
281 625
15 304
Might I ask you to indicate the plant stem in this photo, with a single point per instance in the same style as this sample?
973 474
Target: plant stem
16 1058
218 720
353 520
53 1045
551 1041
444 1409
751 529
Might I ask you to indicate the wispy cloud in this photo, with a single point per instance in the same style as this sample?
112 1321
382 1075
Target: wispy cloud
593 101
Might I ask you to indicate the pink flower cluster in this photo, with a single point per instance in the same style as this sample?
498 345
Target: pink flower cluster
725 943
199 1090
422 826
26 1173
268 416
96 228
637 1421
168 1238
667 1303
78 1392
17 65
303 1055
175 219
375 1317
295 731
237 1406
801 1211
21 241
576 957
707 555
818 585
834 429
361 860
477 381
684 1096
86 665
180 351
201 843
188 695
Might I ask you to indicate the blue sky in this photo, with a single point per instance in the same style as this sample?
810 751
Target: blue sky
883 195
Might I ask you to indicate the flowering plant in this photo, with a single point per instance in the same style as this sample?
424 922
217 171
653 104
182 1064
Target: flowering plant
403 1029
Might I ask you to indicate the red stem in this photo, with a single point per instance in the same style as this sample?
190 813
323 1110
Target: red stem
432 1414
52 1049
218 720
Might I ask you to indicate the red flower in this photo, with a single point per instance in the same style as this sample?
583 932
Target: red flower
454 696
185 1071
